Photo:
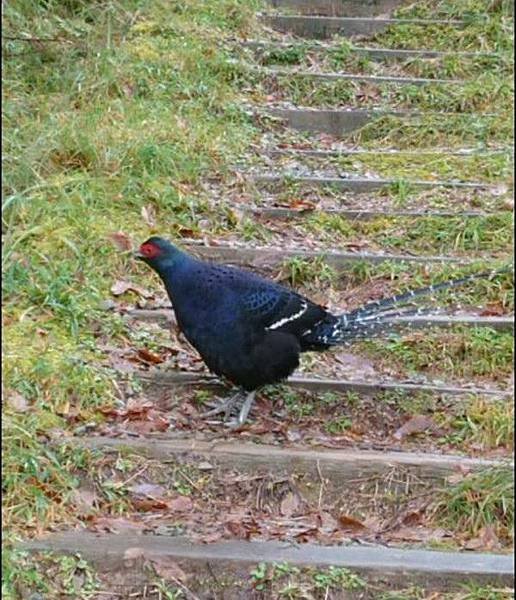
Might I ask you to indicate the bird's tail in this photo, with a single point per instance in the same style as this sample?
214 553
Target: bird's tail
377 318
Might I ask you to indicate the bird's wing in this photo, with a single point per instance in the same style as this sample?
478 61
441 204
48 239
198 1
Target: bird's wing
277 308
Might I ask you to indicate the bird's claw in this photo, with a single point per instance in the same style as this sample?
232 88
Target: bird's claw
225 407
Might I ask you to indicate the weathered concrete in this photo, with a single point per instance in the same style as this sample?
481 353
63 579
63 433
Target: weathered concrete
108 551
503 323
339 122
157 377
275 257
362 185
339 8
341 152
340 466
333 122
360 215
326 27
373 53
373 79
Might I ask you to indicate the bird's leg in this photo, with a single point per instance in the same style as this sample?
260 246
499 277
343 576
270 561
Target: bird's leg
226 406
246 407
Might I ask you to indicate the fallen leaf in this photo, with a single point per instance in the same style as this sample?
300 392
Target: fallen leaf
238 529
301 205
149 357
289 505
148 504
149 215
205 466
17 402
134 553
328 521
167 569
417 424
121 287
114 524
486 540
121 240
348 523
84 499
418 534
151 490
180 504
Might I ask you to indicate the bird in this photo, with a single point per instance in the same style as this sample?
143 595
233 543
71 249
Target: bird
251 330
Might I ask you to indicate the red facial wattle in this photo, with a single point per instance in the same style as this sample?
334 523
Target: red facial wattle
150 250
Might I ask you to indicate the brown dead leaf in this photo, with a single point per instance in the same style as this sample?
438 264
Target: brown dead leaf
121 240
149 357
289 505
327 521
417 424
154 422
493 309
84 499
114 524
149 215
486 540
238 529
17 402
168 569
121 287
301 205
181 504
418 534
148 504
351 524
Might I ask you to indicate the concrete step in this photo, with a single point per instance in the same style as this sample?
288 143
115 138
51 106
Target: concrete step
503 323
339 8
162 378
362 215
275 257
235 557
339 465
379 54
360 185
346 151
372 79
340 122
314 27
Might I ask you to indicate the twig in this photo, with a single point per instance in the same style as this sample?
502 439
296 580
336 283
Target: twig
187 591
35 39
321 489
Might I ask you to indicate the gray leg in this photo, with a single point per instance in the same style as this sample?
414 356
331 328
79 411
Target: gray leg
226 406
246 407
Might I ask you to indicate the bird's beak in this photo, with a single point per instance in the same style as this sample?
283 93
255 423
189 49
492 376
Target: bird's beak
138 255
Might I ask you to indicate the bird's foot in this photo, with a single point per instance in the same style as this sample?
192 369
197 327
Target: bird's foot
244 412
226 406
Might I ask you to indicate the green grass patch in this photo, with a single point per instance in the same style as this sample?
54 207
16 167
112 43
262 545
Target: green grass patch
461 353
480 500
121 115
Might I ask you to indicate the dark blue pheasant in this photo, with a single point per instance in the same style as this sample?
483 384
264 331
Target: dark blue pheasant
251 330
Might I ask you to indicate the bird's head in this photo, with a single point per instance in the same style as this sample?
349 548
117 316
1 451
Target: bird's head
158 253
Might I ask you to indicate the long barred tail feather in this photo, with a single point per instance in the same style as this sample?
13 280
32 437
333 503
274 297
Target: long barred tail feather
379 317
406 297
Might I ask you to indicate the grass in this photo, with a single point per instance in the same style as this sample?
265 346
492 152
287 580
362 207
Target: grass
129 109
480 500
463 353
489 168
344 57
